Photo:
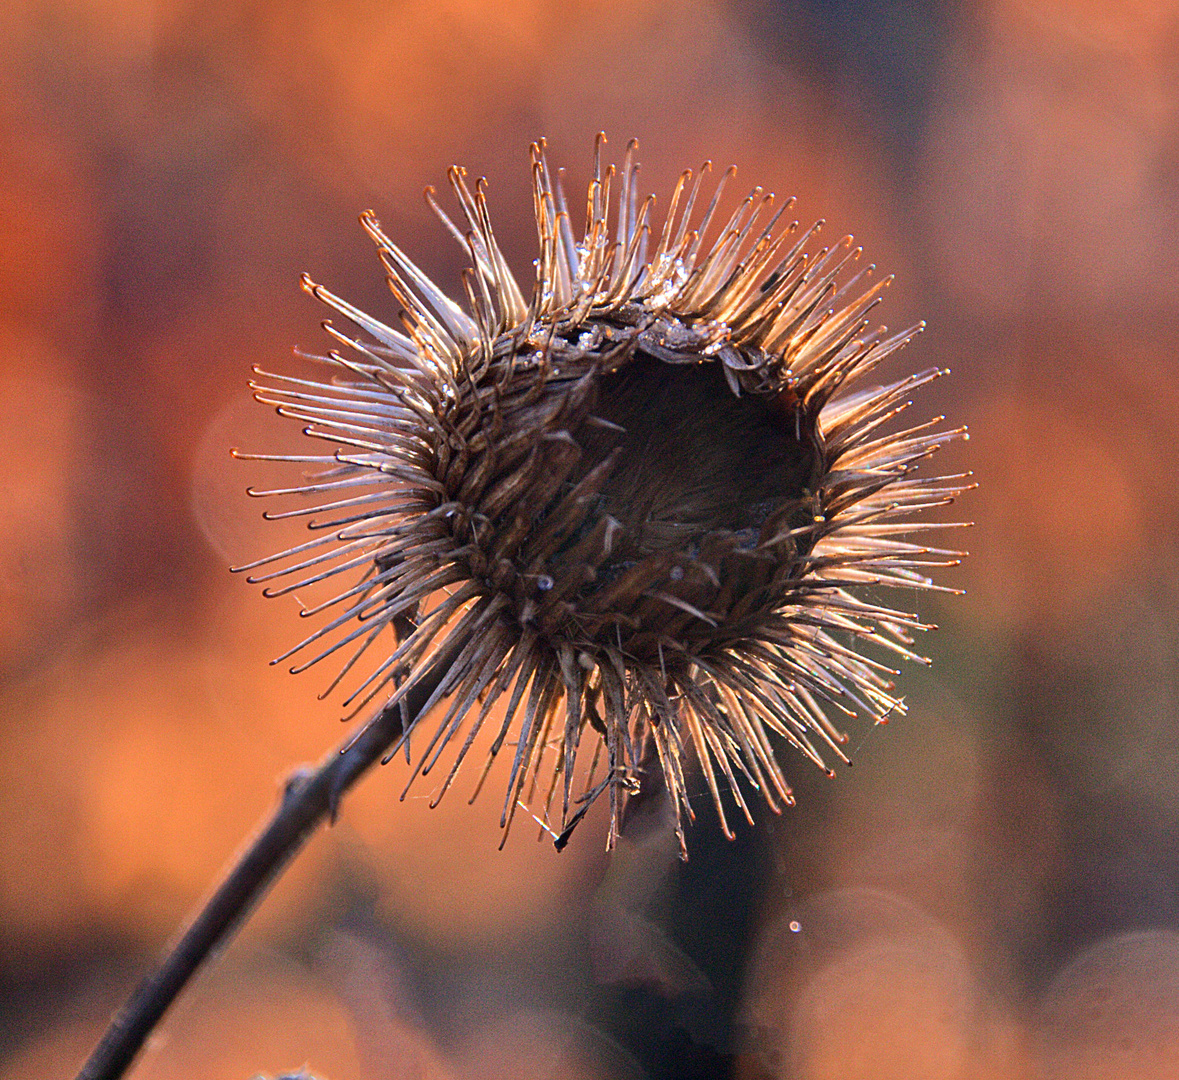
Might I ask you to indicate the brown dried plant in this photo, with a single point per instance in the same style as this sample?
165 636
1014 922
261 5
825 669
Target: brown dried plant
646 506
650 507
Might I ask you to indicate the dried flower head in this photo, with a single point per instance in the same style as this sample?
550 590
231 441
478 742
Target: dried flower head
643 503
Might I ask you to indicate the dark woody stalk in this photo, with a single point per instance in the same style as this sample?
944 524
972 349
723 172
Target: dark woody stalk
310 796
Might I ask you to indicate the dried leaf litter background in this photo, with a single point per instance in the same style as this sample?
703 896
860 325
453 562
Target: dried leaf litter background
999 865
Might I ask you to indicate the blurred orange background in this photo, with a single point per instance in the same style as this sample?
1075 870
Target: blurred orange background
994 893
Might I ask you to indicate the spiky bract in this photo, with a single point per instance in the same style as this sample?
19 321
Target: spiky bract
643 503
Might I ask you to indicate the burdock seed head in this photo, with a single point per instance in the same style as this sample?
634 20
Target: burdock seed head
648 504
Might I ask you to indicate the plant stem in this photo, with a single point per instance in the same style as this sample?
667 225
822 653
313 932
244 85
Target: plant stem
310 796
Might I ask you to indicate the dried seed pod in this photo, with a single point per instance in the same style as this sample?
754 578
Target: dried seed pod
644 501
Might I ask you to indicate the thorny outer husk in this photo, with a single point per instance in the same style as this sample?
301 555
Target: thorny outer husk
646 501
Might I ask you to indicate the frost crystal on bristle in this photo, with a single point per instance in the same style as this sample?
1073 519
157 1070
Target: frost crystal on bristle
642 503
